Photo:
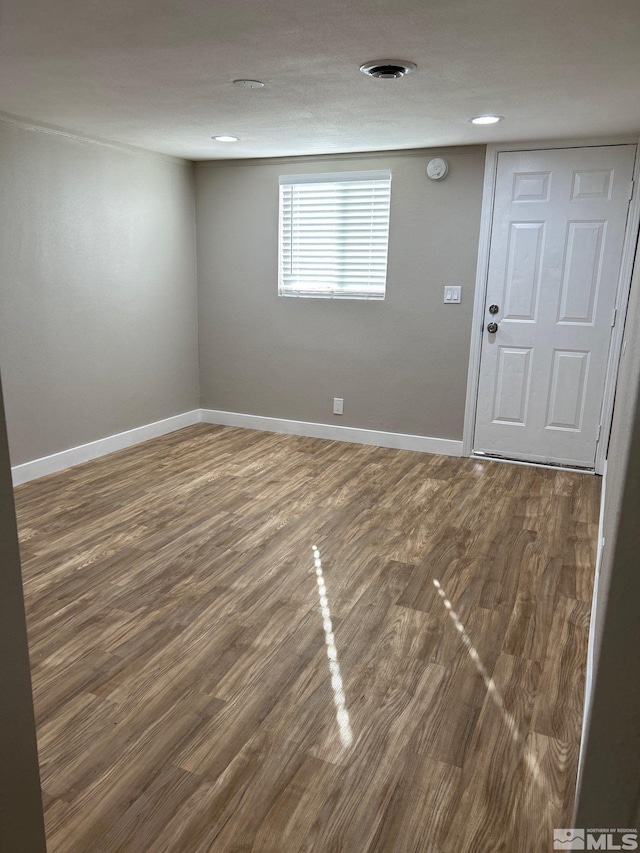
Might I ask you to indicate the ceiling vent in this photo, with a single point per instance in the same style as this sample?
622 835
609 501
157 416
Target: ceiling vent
387 69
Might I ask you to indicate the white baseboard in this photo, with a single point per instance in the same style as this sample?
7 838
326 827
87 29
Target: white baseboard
397 440
588 688
75 455
83 453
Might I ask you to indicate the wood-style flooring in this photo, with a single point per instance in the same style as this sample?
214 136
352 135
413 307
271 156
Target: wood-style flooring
202 683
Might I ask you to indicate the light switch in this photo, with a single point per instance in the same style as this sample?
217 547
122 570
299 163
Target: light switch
453 294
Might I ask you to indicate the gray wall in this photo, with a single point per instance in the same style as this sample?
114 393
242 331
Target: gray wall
21 825
97 290
609 789
401 364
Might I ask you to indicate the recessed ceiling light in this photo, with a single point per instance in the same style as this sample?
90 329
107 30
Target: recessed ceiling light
225 138
486 119
249 84
387 69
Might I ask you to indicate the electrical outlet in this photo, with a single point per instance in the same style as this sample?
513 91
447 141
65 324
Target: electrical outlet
338 406
453 294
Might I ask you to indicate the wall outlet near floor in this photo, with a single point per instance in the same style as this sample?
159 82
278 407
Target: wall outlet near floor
453 294
338 406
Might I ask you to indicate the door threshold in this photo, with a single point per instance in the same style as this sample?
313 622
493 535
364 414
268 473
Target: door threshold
557 466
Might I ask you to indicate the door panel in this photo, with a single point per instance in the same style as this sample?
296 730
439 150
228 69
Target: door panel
582 271
592 183
522 281
567 395
531 186
554 262
512 385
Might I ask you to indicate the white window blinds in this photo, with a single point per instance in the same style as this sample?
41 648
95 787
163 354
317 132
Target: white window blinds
334 235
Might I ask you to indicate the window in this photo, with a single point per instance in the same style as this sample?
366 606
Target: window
334 234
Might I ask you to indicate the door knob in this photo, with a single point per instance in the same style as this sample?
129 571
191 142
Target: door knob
492 328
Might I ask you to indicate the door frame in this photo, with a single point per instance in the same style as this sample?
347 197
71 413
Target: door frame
482 273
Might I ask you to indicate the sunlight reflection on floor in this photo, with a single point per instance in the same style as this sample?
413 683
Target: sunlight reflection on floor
493 691
342 715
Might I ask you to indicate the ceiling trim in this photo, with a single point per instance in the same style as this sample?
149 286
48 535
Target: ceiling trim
579 142
52 130
347 155
569 142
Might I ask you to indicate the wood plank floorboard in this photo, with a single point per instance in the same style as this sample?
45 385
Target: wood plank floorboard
201 688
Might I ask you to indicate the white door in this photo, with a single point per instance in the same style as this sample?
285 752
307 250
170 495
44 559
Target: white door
556 247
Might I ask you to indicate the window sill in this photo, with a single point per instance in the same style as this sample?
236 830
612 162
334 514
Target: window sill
368 297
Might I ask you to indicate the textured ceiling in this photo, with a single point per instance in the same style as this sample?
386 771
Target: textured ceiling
157 73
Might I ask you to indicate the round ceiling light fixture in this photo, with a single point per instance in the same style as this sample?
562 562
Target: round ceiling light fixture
486 119
388 69
248 84
226 138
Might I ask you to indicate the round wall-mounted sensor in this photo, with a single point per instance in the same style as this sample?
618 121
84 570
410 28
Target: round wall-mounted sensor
437 169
